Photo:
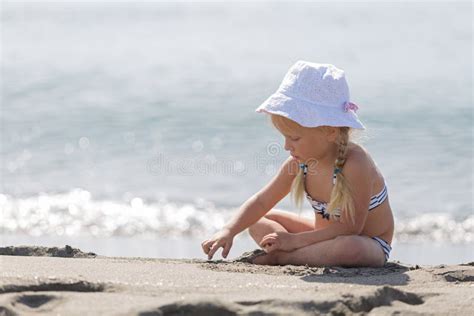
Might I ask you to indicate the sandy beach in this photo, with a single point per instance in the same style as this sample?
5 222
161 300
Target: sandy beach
67 281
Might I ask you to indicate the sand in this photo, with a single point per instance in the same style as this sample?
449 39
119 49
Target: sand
67 281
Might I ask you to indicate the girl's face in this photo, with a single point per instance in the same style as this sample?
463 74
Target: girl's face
305 144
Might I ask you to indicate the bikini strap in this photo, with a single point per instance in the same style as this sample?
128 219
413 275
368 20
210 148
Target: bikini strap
336 171
305 171
305 168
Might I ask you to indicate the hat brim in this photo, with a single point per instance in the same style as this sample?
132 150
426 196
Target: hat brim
309 114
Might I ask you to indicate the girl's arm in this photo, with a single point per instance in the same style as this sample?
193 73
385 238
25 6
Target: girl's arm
314 236
263 201
357 173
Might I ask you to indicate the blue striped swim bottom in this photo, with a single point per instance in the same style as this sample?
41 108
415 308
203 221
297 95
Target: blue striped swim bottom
385 247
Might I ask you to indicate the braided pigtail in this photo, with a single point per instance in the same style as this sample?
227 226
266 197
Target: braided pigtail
341 194
297 189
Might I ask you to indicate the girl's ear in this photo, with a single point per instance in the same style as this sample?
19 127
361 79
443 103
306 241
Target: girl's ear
332 133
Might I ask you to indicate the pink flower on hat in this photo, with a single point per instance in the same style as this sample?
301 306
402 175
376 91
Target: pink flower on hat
350 106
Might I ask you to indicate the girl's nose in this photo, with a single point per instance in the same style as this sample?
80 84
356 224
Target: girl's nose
287 146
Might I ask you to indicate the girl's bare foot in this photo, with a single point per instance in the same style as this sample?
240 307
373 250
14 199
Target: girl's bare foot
265 259
258 256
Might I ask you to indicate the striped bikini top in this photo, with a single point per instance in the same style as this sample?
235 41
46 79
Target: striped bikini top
320 207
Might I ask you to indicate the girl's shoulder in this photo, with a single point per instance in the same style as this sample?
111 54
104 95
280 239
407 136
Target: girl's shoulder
358 154
358 158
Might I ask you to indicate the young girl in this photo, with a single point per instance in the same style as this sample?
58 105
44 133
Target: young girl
353 224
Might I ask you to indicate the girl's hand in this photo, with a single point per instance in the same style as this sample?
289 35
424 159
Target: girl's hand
279 241
222 238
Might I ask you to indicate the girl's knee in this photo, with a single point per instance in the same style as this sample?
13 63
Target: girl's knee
263 224
274 214
291 222
254 228
262 227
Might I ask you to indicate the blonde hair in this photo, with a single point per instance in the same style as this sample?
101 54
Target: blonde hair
341 194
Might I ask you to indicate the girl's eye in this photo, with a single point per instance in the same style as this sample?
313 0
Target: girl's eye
294 138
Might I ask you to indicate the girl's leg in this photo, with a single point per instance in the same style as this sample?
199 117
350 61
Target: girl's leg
350 250
276 220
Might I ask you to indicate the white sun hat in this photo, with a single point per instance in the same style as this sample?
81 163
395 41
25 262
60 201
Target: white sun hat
313 95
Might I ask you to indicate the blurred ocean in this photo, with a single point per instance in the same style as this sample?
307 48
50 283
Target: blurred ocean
126 125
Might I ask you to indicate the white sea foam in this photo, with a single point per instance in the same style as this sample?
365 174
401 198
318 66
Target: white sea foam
77 213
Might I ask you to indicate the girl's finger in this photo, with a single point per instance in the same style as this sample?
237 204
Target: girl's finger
269 236
205 246
270 248
226 249
213 249
266 240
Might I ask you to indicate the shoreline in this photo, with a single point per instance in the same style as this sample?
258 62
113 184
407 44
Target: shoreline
69 281
425 253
